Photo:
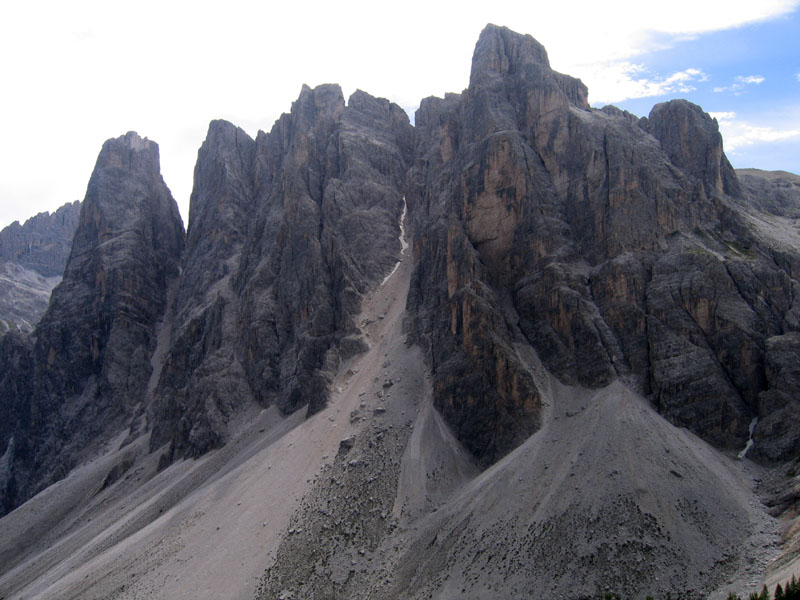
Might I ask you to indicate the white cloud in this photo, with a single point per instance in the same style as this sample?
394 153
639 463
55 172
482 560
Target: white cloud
750 79
737 133
617 81
723 116
94 69
740 82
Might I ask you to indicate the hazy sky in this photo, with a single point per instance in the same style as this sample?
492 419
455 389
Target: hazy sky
73 74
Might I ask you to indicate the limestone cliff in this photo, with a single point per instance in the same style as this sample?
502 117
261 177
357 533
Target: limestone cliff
91 351
570 270
611 247
616 247
286 232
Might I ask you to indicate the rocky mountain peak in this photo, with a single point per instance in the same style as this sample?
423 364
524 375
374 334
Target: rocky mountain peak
504 57
500 51
325 100
368 315
92 347
691 139
42 243
225 153
32 259
131 151
223 133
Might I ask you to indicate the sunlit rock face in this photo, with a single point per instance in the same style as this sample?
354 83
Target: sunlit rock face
615 246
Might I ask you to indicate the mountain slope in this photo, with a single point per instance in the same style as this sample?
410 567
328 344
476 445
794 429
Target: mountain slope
287 232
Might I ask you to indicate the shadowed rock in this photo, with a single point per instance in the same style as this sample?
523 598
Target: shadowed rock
286 233
92 347
32 260
614 246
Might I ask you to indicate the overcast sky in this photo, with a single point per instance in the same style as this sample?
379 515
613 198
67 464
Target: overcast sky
73 74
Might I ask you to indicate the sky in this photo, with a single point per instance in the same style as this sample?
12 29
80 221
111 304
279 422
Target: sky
73 74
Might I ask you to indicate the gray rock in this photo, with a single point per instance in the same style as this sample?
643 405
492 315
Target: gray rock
692 141
202 382
43 242
774 192
286 233
614 246
779 407
92 347
32 260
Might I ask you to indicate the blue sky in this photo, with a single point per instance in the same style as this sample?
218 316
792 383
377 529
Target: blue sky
73 74
749 77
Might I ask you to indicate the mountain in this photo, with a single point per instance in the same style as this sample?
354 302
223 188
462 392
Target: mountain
523 348
287 232
91 350
32 260
615 247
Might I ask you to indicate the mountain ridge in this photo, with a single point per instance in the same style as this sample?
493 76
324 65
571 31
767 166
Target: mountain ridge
563 265
32 258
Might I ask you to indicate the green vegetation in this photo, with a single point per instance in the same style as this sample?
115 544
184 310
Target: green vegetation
740 249
790 591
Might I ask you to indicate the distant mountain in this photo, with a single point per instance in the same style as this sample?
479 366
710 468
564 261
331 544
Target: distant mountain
32 260
775 192
524 348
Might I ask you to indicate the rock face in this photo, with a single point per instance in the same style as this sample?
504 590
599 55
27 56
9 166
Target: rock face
32 260
43 242
774 192
616 247
91 350
286 232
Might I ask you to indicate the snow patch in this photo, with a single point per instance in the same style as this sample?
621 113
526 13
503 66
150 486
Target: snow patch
749 444
403 242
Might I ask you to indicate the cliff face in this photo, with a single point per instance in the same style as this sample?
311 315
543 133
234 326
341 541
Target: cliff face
612 245
43 242
91 350
286 232
32 260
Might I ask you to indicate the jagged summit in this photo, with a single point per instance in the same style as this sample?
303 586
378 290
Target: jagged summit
42 243
32 260
131 151
691 139
502 51
286 233
504 55
326 99
92 347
